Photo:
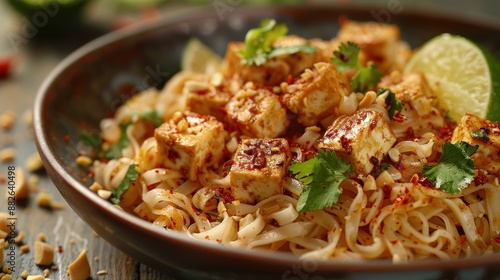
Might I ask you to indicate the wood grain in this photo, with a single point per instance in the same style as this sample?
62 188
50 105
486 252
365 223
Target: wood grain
62 228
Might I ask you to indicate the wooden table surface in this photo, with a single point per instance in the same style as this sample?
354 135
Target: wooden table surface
35 58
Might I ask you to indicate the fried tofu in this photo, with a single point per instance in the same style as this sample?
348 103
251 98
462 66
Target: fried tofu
210 97
190 143
276 69
413 89
317 93
378 42
484 133
257 113
361 140
258 169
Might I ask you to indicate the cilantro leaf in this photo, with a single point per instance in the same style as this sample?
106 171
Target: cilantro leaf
347 58
258 43
291 50
115 151
393 104
151 116
481 134
321 177
455 168
130 176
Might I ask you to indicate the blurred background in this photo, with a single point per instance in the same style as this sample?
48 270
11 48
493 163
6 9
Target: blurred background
27 24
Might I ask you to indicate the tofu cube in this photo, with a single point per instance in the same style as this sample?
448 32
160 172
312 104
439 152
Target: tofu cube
276 69
413 89
317 93
258 169
378 42
210 98
257 113
486 134
361 140
190 143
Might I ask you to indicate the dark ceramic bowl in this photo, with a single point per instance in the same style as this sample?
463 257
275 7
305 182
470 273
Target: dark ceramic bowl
97 78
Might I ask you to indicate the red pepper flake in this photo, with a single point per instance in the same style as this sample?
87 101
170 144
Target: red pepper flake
462 239
480 179
394 242
59 249
66 137
479 231
497 239
398 117
289 79
401 199
2 179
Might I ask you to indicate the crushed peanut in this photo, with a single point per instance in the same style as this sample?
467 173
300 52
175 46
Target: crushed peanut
44 253
44 199
6 277
46 272
7 154
80 267
42 237
24 249
83 161
24 274
35 277
19 237
21 189
4 222
34 163
7 119
6 270
102 272
95 187
105 194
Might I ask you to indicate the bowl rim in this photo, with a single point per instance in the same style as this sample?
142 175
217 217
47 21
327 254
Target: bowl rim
193 14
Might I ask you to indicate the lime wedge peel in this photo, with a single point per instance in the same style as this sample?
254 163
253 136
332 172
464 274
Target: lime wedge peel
198 57
464 75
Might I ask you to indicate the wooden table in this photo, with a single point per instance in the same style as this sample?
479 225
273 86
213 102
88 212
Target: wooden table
68 234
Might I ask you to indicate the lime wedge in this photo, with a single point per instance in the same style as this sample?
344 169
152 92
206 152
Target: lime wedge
198 57
464 75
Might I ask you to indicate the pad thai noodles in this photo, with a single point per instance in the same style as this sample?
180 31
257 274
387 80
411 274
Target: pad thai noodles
323 148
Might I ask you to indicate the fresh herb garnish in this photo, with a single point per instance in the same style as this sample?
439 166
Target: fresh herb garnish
151 116
115 151
321 177
258 43
393 104
347 58
383 167
130 176
481 134
454 170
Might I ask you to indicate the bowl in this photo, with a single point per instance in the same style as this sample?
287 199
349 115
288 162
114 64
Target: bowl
94 80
